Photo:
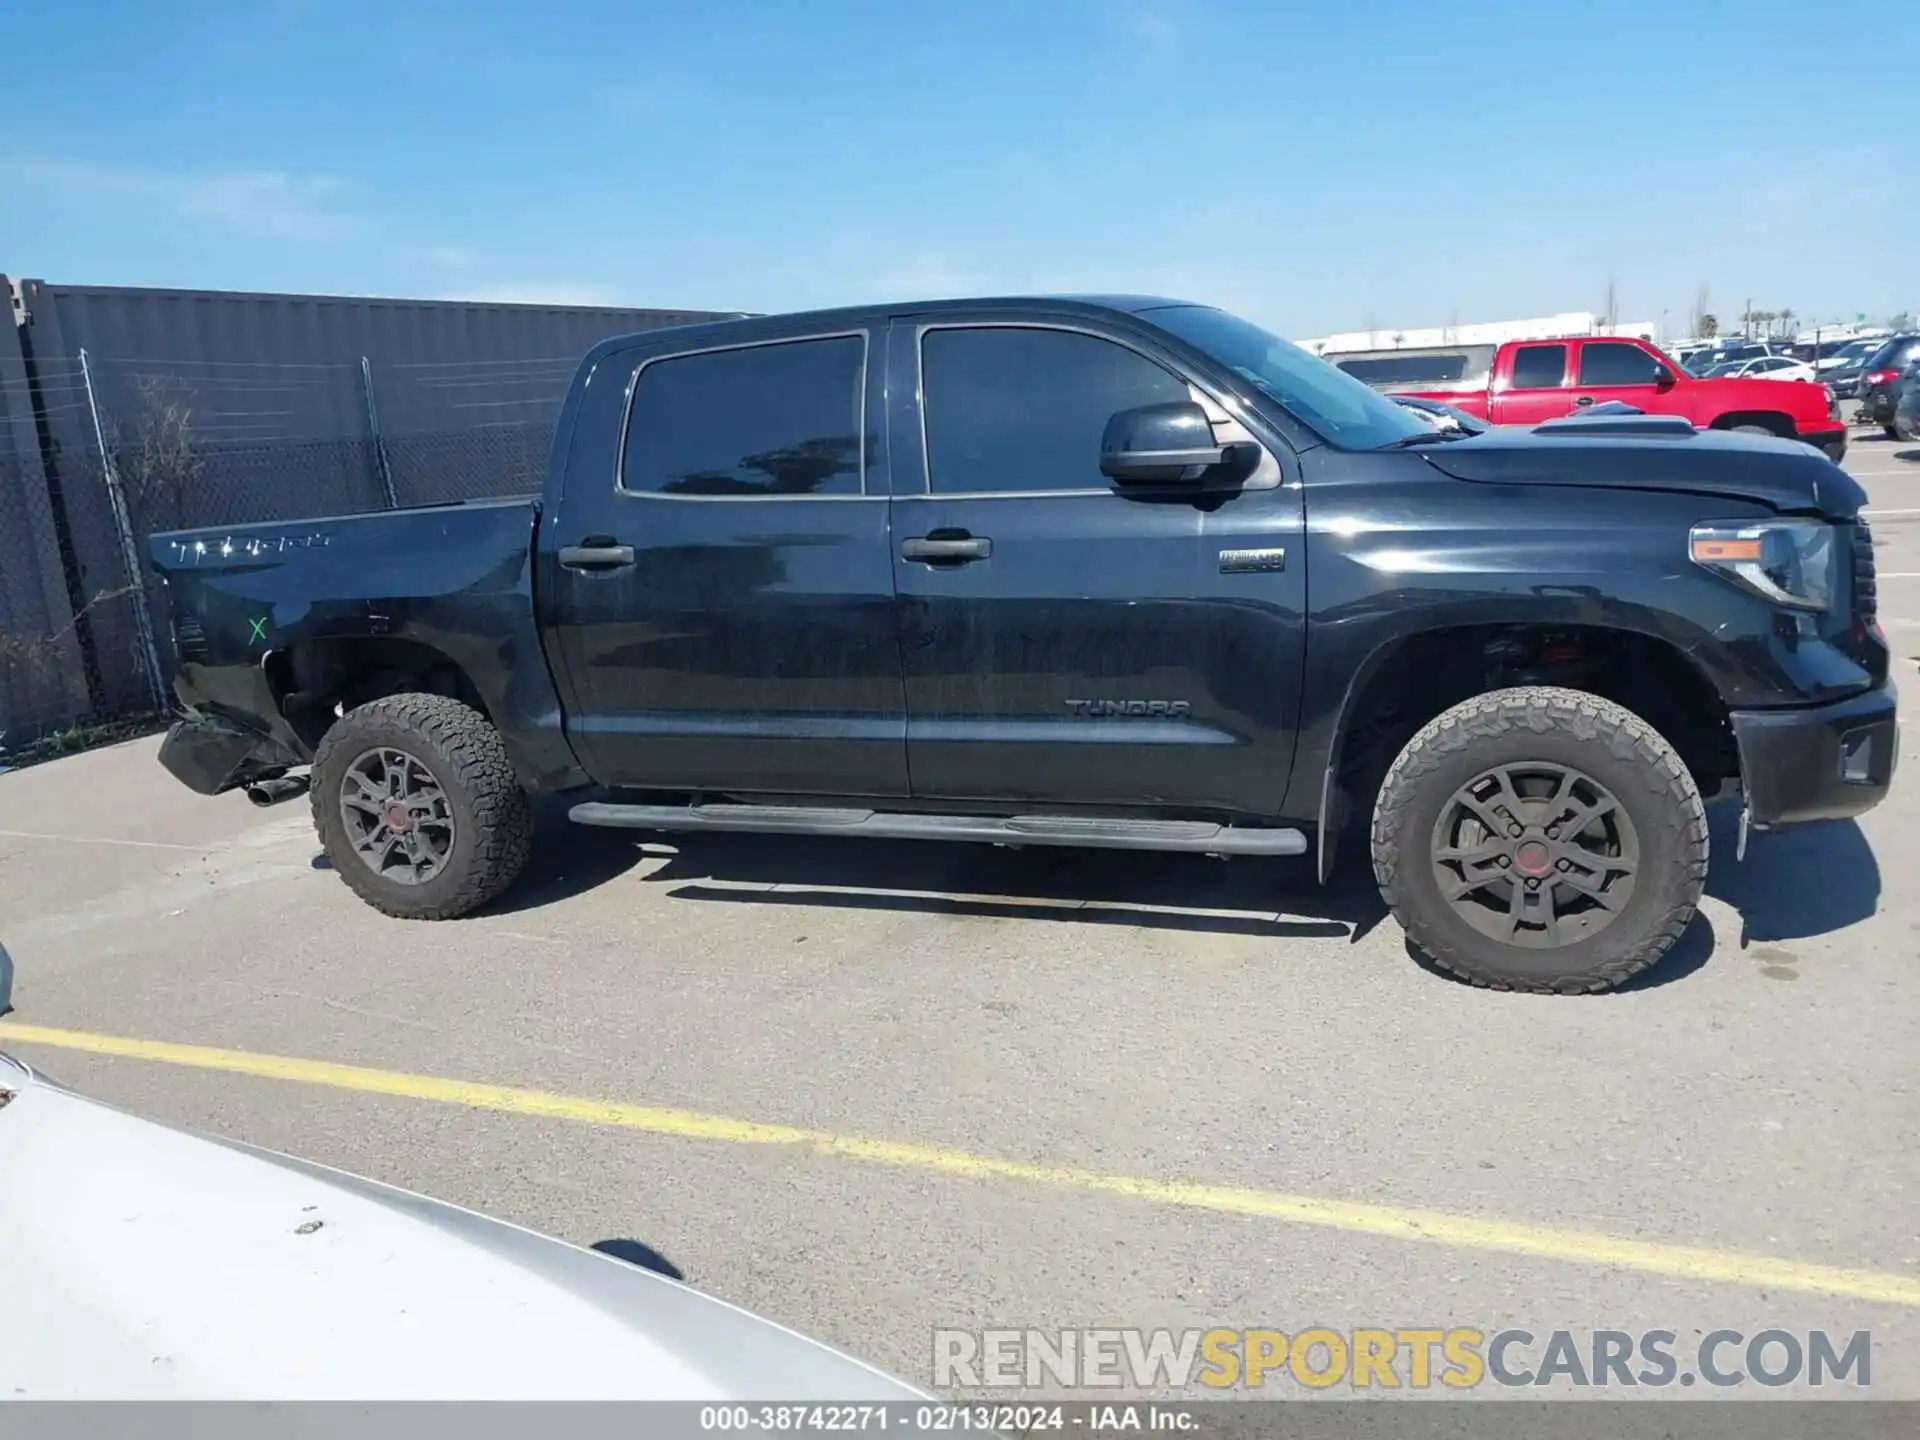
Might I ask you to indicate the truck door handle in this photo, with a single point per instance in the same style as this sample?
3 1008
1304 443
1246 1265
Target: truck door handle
599 553
944 550
1583 400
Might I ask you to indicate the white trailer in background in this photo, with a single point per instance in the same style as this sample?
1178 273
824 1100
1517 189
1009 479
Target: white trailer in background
1492 332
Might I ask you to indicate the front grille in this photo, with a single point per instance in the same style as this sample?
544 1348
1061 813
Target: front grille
1864 641
1866 589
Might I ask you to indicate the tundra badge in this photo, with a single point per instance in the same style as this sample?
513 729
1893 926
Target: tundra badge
1237 562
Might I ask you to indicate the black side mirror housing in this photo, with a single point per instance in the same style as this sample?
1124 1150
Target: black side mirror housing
1663 378
1160 443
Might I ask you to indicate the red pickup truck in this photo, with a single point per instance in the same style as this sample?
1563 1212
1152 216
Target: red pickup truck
1524 382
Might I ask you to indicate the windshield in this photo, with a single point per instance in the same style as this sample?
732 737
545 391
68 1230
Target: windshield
1336 406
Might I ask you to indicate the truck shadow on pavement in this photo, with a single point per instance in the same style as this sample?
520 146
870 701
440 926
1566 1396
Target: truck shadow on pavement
1798 883
1244 896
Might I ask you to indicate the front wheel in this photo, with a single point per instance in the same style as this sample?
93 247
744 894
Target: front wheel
1540 839
415 800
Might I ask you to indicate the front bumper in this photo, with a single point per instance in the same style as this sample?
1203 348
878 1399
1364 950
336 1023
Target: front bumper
1825 763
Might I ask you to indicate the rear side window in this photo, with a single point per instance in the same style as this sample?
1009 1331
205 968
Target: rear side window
1889 356
1607 362
1539 367
768 420
1406 369
1011 409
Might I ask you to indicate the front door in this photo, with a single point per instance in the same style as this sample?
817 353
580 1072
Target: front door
1619 370
1065 642
721 601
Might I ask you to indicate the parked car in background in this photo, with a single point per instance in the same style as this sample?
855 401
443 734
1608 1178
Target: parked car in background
1534 380
140 1262
1844 379
1726 352
1854 352
1878 377
1906 404
1764 367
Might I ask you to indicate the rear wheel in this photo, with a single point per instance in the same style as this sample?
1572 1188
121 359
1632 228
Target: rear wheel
1752 430
1540 839
415 800
1893 431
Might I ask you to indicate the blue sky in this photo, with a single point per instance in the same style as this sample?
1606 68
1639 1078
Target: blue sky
1316 166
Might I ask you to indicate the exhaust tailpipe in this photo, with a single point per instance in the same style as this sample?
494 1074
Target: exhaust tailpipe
272 792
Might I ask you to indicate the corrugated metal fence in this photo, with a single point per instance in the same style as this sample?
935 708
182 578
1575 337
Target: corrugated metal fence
126 411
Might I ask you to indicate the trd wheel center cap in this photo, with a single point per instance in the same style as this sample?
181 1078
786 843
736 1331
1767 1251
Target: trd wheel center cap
396 817
1533 859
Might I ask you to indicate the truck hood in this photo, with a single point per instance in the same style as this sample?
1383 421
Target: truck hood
1783 474
138 1262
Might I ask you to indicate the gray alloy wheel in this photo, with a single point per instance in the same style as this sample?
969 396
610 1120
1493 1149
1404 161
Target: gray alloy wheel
396 816
1535 854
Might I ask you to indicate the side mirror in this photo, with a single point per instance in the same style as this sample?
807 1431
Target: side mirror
1170 442
1663 377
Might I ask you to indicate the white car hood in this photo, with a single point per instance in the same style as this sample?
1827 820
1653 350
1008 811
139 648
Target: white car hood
138 1261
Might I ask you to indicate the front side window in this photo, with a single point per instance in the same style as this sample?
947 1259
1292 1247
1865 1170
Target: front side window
1321 396
767 420
1606 362
1013 409
1539 367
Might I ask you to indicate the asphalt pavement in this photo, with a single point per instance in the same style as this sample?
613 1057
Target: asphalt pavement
1030 1089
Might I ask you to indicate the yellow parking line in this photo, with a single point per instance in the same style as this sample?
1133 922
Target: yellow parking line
1683 1262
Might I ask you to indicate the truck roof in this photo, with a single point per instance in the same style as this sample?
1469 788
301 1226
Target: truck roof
866 314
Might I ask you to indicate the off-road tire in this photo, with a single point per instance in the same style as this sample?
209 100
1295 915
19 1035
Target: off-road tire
1893 431
1567 727
1755 430
493 821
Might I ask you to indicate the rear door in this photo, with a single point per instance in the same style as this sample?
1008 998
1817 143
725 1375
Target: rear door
1533 385
1620 370
1066 642
717 577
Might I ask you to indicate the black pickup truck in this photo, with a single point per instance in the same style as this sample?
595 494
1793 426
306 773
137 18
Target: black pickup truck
1114 572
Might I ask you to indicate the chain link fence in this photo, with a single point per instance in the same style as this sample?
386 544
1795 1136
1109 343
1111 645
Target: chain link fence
101 452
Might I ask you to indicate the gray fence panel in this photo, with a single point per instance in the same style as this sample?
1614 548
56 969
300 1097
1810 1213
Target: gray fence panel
43 671
224 407
76 479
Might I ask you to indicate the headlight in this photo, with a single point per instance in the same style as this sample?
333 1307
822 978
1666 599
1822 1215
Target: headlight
1790 562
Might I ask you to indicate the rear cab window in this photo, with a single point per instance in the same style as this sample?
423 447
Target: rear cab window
779 419
1538 367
